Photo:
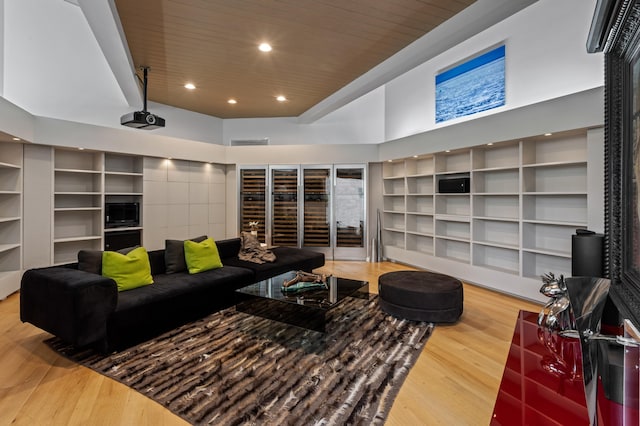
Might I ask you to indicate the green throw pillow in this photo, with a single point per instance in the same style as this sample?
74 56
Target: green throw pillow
129 270
202 256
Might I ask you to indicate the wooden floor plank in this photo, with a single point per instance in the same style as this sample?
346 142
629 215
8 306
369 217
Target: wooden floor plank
455 380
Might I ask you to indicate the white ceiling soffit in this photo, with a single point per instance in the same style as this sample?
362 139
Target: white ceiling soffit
105 24
471 21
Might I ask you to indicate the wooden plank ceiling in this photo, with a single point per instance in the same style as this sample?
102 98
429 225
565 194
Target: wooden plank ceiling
318 47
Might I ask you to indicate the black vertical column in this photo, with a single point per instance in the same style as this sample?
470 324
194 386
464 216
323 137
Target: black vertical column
587 254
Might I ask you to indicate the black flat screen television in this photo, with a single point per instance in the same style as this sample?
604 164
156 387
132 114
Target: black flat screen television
118 215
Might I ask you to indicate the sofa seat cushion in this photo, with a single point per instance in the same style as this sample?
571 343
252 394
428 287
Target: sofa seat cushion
167 287
287 259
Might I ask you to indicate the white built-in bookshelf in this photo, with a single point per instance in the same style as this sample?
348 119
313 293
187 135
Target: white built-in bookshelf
526 199
77 203
83 181
123 182
10 217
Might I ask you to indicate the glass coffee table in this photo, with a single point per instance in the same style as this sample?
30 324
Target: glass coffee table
307 308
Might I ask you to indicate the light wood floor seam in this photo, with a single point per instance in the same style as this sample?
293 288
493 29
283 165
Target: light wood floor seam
455 380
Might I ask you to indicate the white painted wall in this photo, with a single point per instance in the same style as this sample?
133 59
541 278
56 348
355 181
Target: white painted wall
182 199
16 121
575 111
55 68
546 58
53 64
185 124
2 27
66 76
302 154
124 140
37 212
359 122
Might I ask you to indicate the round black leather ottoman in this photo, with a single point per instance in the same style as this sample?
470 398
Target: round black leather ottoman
421 296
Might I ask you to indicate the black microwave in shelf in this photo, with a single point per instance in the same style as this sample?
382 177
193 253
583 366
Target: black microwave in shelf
454 185
118 215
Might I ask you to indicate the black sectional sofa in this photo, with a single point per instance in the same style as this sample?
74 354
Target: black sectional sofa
85 308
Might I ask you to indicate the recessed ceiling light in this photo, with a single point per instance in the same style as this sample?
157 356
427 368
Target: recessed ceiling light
448 150
80 149
390 161
265 47
490 143
16 139
548 134
232 101
415 156
190 86
281 98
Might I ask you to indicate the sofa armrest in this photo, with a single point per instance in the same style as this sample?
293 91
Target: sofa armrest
71 304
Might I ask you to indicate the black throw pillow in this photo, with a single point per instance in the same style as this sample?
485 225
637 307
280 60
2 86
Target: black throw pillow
91 260
174 260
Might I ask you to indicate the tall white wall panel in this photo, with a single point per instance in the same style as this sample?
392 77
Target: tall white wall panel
546 58
183 199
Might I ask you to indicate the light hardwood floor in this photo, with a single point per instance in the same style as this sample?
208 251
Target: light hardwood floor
455 380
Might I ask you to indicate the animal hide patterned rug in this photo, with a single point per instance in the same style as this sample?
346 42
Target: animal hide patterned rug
233 368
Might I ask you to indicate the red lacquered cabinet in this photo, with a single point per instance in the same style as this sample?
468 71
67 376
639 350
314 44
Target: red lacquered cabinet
542 383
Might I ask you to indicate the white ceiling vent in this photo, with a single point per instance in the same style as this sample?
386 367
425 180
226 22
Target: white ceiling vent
249 142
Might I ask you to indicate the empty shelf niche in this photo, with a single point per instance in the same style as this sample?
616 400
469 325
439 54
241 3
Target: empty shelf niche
419 224
497 181
536 264
422 204
497 233
497 258
561 208
420 185
505 207
420 243
458 251
547 238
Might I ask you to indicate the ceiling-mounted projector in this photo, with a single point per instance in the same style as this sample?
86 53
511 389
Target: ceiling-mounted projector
142 119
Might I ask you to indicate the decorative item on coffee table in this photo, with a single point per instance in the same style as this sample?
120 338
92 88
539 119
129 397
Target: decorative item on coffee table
304 281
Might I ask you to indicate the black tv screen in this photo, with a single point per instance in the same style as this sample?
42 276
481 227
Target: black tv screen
121 214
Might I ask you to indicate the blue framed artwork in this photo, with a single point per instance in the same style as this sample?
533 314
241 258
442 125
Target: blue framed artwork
473 86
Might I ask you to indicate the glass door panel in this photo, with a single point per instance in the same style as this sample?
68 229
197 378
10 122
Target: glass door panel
284 207
253 184
317 207
350 220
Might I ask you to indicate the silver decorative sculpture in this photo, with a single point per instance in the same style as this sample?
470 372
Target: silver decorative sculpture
574 311
556 311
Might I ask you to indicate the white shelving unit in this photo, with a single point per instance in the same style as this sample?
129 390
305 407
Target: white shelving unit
555 202
123 183
526 199
10 217
122 175
77 206
394 192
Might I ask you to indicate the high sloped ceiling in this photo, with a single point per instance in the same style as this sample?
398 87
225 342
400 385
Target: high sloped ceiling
319 46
